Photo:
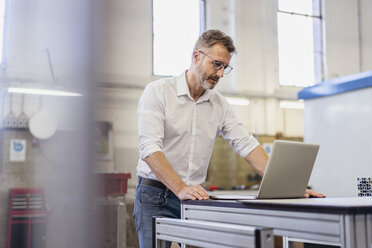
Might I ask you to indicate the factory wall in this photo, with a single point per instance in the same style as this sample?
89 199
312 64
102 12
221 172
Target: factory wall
124 49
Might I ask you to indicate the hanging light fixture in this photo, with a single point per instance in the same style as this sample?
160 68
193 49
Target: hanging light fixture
292 104
44 92
239 101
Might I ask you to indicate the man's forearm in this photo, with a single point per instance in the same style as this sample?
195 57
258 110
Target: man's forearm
160 166
258 158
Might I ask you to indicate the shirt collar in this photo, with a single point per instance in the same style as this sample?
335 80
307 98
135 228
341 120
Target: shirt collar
183 88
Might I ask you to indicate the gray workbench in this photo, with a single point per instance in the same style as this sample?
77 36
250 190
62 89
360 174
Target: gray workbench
346 222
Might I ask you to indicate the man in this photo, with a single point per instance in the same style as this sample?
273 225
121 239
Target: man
179 119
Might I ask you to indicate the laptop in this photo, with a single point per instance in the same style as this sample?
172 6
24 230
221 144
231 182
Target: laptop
287 172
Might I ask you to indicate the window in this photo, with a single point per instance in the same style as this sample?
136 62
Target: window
299 42
176 26
2 29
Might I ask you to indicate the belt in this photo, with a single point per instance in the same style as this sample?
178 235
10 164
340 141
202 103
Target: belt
151 182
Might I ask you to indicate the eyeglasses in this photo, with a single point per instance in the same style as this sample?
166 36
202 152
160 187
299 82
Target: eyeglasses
218 65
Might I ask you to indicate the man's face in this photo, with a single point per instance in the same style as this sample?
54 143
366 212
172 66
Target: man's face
208 75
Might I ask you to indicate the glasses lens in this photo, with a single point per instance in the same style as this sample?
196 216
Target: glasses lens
227 70
218 65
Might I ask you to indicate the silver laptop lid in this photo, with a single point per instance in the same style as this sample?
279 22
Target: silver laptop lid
288 170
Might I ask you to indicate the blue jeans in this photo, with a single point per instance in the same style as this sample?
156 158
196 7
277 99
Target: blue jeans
150 201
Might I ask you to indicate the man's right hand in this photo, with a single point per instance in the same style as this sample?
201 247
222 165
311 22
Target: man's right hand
195 192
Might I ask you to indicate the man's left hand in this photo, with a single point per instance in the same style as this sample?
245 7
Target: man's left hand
310 193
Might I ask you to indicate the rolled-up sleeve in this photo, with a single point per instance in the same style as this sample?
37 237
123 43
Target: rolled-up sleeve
233 131
150 114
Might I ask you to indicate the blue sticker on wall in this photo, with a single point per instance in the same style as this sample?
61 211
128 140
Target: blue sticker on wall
17 146
17 150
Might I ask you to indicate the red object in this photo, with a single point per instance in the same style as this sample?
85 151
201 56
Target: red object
28 217
213 188
115 183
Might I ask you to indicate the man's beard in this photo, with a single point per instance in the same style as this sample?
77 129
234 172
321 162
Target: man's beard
204 80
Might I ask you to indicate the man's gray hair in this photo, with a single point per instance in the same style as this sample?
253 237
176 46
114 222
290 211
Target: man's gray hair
214 36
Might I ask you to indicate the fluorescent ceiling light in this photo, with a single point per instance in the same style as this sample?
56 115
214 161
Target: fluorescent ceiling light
292 104
41 92
237 101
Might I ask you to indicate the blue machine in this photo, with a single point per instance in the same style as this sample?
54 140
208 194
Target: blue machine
338 116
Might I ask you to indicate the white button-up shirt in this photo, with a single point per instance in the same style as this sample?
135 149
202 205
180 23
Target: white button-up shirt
169 120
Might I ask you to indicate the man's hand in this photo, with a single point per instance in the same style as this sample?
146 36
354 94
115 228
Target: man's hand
195 192
310 193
